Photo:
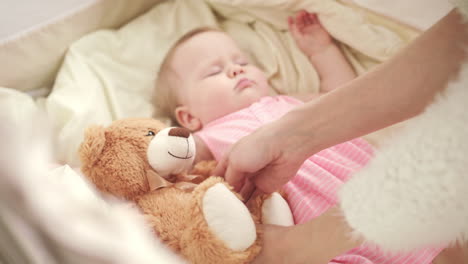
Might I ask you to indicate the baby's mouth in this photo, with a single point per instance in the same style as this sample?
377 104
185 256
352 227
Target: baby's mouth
243 83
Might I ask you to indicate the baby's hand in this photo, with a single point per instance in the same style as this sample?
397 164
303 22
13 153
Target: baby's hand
308 33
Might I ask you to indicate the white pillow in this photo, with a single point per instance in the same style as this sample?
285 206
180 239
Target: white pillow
110 74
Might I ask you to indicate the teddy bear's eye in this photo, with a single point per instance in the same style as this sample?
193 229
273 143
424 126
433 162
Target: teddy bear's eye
150 133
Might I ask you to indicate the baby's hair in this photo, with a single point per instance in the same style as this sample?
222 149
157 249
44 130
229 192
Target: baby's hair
164 95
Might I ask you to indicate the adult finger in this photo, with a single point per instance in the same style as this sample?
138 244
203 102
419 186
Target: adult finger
247 190
272 178
220 169
234 177
255 194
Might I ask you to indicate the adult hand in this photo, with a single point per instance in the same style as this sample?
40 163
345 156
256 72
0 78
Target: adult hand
317 241
274 247
265 159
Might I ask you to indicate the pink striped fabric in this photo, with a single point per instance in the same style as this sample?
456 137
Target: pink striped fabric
313 190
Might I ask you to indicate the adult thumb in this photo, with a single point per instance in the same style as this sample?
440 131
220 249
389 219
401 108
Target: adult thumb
220 169
234 177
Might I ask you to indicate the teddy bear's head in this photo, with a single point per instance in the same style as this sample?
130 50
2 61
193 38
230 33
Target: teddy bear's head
124 158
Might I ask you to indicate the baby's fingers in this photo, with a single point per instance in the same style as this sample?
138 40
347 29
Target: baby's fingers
310 18
314 18
301 18
293 27
290 23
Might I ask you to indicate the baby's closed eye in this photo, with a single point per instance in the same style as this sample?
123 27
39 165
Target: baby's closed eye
241 61
213 70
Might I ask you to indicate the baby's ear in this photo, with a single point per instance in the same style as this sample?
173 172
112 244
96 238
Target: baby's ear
92 146
186 119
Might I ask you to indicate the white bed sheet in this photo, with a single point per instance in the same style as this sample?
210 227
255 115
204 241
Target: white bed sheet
420 14
18 16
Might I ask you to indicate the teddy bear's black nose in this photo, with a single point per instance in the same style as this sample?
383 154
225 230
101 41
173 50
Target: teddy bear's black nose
179 132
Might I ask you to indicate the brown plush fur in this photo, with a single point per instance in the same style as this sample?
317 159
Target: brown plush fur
114 159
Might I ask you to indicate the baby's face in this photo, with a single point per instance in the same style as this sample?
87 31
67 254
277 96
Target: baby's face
215 77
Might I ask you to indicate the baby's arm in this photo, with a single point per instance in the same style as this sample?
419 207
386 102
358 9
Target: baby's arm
330 63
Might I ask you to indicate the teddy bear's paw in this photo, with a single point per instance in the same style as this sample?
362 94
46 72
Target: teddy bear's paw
228 218
276 211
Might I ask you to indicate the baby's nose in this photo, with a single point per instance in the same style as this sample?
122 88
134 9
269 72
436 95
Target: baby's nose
179 132
236 71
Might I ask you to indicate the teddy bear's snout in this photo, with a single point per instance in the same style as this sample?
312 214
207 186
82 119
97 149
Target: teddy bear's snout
171 151
179 132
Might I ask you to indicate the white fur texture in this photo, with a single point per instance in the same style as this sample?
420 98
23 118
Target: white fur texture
415 192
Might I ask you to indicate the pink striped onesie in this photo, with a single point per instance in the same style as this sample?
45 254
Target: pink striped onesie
313 190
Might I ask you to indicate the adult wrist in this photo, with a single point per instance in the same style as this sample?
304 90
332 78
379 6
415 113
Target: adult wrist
297 134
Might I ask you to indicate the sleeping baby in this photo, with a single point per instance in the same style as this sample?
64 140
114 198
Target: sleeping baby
208 85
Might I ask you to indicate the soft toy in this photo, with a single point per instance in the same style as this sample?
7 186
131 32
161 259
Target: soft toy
195 214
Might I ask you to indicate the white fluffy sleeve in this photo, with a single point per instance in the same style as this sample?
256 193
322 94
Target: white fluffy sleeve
415 192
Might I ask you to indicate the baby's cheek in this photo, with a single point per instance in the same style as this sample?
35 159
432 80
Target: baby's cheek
214 106
261 78
265 88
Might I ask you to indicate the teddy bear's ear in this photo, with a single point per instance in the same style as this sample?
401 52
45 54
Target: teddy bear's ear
92 146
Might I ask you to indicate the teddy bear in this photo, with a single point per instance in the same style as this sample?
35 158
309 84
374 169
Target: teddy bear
194 213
